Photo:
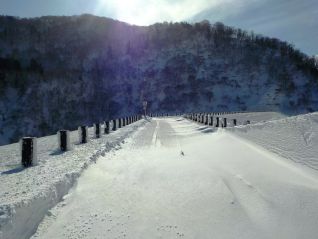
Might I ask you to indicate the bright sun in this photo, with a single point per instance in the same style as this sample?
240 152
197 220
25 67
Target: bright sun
138 12
145 12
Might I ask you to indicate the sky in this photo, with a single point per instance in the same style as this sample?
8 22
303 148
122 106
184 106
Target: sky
295 21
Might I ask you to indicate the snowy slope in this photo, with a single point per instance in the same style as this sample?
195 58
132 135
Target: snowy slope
222 187
27 194
294 138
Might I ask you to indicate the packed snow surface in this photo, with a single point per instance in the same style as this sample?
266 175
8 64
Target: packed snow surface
177 179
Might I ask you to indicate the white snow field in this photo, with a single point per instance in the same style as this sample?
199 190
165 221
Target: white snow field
26 195
175 178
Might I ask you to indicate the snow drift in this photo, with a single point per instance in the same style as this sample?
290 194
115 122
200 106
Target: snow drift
294 138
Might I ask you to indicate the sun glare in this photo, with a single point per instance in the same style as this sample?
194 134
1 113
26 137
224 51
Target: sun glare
132 11
145 12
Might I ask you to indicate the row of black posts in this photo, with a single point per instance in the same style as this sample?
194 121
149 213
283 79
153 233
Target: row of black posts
163 114
29 144
211 119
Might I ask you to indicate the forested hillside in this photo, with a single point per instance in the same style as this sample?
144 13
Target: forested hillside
61 72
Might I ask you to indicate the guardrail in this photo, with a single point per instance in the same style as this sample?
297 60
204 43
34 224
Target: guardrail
214 119
29 144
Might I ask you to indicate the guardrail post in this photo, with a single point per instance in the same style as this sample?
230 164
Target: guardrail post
211 121
114 125
63 137
217 122
224 122
97 130
28 151
82 133
106 129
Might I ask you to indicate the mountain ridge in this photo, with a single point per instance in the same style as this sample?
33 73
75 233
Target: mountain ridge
61 72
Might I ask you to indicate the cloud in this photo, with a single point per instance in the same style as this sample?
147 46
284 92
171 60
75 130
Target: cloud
289 20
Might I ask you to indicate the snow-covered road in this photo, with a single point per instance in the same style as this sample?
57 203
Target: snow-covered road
176 179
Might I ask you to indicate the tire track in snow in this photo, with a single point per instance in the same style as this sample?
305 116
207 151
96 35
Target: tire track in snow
257 207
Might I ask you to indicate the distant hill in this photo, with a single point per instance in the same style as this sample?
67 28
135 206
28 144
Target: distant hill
60 72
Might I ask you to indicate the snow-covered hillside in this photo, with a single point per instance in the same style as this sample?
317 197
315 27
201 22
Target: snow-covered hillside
61 72
172 178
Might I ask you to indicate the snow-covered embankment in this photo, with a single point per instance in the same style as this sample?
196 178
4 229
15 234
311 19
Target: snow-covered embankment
26 195
294 138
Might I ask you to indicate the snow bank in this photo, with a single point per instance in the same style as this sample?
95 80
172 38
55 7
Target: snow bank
294 138
26 195
253 117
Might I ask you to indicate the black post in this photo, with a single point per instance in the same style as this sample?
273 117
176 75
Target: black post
28 154
63 138
234 122
114 125
82 134
217 122
106 130
206 119
97 130
224 122
119 123
211 120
